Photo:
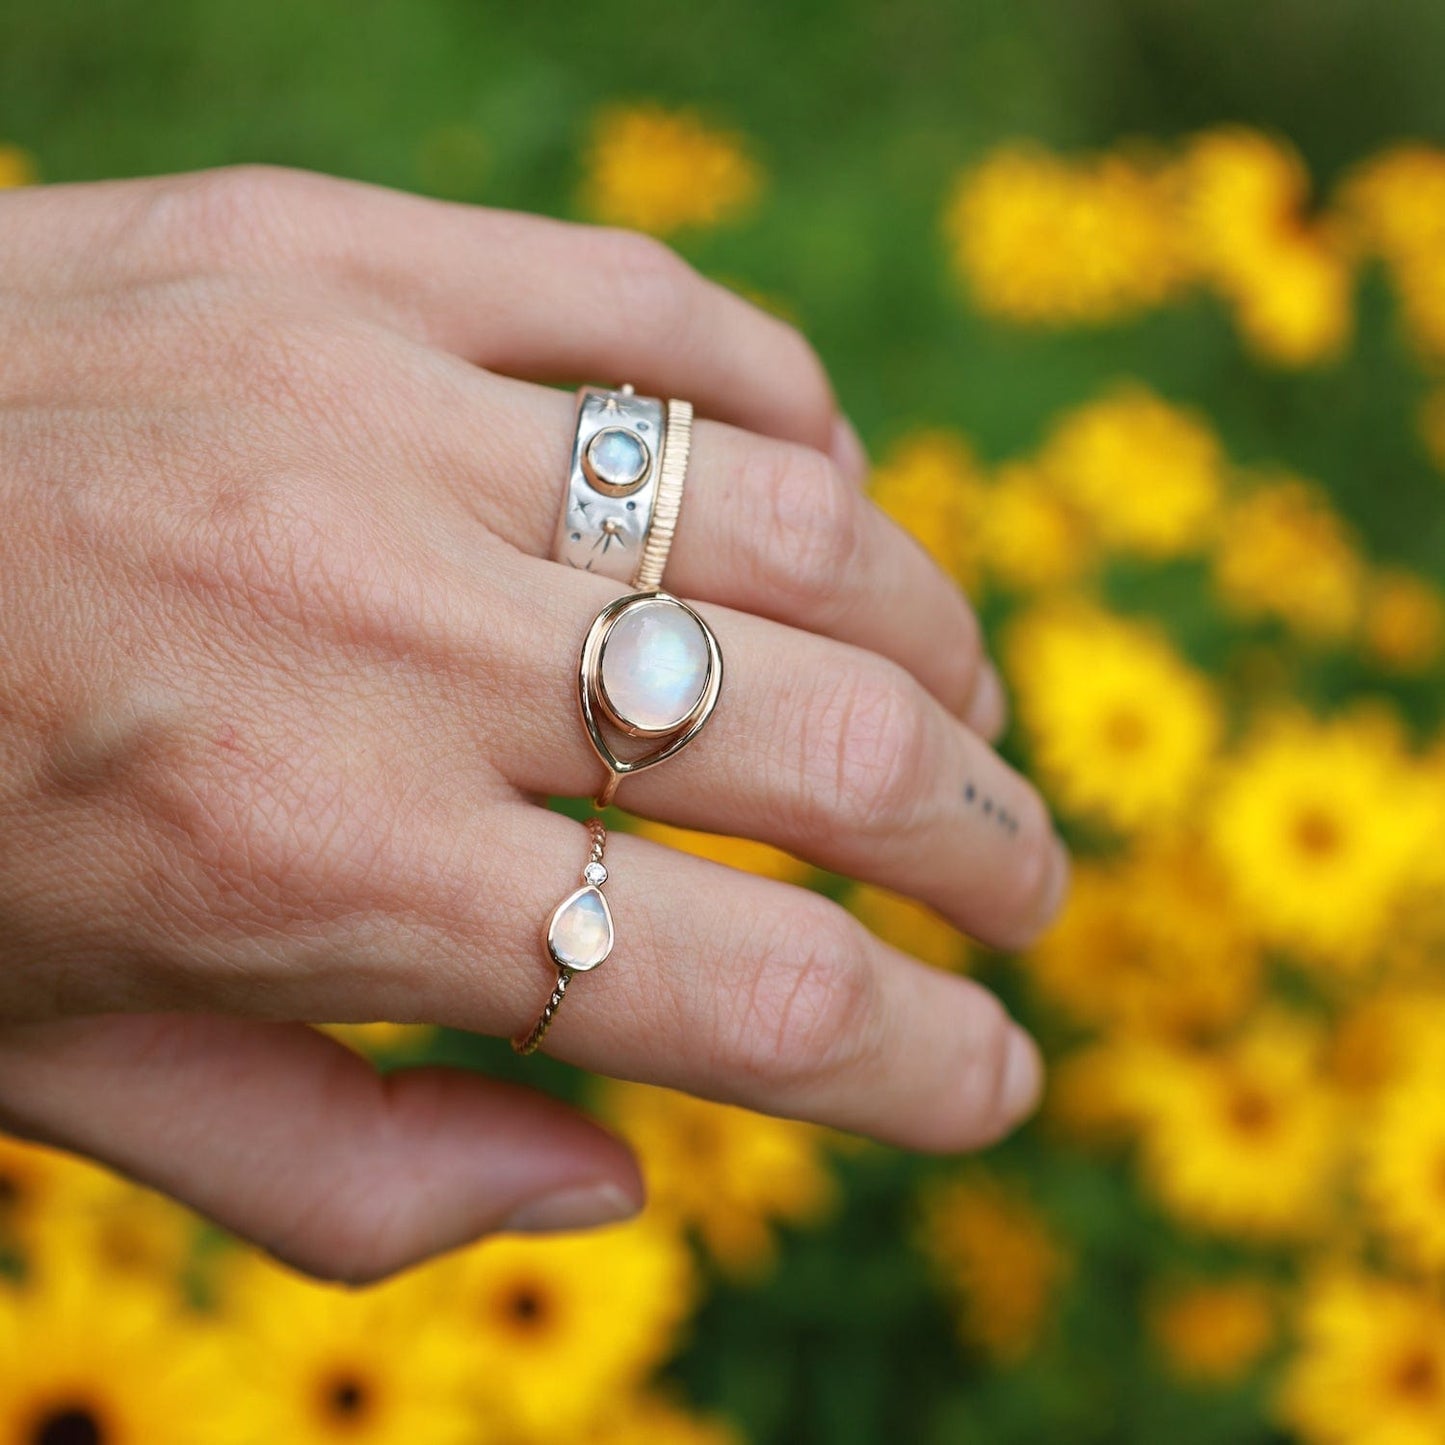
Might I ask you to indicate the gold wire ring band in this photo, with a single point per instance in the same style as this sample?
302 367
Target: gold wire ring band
676 447
578 935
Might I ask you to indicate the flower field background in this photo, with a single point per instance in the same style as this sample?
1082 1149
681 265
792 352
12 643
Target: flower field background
1141 309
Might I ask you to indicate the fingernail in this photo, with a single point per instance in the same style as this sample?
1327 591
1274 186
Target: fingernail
988 707
847 451
581 1207
1060 872
1023 1076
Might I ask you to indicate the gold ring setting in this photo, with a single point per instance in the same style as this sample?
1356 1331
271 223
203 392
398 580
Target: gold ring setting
650 670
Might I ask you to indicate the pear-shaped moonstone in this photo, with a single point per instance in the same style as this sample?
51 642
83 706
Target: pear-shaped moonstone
654 665
579 936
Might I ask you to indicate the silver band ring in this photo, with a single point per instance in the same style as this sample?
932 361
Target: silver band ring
612 482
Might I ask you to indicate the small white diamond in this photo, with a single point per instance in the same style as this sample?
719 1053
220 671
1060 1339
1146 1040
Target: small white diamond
595 874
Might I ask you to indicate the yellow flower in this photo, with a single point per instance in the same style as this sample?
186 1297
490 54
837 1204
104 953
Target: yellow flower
1122 730
104 1361
1287 276
1402 1170
1242 1138
1031 537
726 1172
1150 943
1404 622
35 1182
1396 202
654 1419
16 168
559 1328
1319 826
931 485
1284 553
664 171
323 1363
740 853
1148 475
909 926
997 1256
1044 240
116 1230
1370 1369
382 1040
1214 1333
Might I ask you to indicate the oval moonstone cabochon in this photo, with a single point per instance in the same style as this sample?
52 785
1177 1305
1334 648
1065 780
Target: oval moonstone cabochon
654 665
579 936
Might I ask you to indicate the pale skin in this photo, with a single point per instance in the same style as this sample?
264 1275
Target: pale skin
285 673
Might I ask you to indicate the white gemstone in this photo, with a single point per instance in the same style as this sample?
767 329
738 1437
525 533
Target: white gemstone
595 874
579 936
618 456
654 665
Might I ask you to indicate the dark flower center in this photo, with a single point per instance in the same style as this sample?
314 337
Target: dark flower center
1419 1377
68 1425
1316 833
346 1398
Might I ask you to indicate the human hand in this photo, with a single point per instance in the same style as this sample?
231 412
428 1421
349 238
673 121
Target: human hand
286 672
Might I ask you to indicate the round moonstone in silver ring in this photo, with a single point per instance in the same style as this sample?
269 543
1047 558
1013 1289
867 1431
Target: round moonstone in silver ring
616 460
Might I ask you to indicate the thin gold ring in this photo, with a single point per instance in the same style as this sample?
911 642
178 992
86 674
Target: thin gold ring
676 448
578 935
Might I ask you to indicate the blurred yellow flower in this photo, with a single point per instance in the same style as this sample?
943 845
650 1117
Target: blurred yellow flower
998 1259
728 1173
116 1229
1121 728
909 926
740 853
1404 622
321 1363
382 1040
654 1419
559 1328
1371 1366
1242 1138
35 1183
930 483
1319 826
664 171
1150 942
1044 240
16 168
1214 1332
105 1360
1396 202
1148 475
1402 1167
1287 275
1030 536
1284 553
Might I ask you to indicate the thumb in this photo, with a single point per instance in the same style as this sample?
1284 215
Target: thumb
289 1139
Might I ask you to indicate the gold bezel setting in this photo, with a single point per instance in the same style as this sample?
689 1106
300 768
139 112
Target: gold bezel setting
595 708
604 485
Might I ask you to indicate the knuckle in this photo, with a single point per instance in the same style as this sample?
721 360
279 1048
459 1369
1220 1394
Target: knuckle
229 214
645 274
864 752
810 1008
814 538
